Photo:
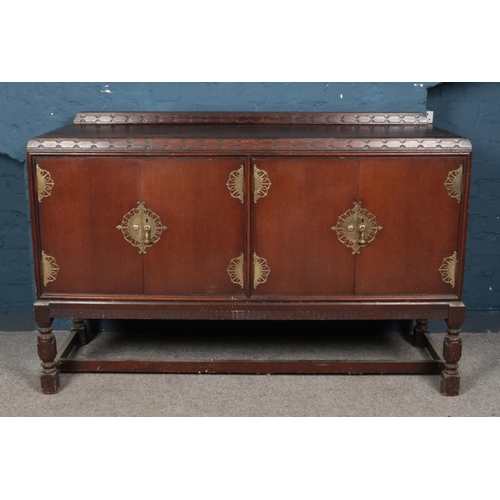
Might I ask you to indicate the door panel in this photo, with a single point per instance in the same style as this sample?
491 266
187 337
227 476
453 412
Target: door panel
78 224
420 224
292 226
205 225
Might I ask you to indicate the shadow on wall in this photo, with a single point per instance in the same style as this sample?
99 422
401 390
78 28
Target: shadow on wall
473 110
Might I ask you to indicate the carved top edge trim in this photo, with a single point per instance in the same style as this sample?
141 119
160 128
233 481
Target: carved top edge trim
241 145
281 118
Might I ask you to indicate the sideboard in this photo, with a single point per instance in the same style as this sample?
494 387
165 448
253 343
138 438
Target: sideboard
255 216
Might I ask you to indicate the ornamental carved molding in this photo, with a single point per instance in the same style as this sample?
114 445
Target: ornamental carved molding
192 144
138 118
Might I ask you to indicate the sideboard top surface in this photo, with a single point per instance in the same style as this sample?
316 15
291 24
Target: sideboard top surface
248 132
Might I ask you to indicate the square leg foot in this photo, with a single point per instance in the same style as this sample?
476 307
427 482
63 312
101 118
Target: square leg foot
50 383
450 385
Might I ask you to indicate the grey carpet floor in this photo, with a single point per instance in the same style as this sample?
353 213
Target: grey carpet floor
83 394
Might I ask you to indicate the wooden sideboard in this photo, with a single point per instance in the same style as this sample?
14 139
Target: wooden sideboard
229 216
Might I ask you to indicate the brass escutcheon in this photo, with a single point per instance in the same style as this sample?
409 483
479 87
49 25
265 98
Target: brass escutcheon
141 227
356 228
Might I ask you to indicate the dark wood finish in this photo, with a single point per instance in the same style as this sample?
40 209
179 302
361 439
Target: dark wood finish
205 226
78 224
432 348
452 352
292 226
250 310
302 367
464 215
71 344
319 164
420 224
420 331
230 132
80 328
323 142
47 350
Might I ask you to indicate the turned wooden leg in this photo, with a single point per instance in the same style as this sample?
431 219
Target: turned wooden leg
81 329
452 351
419 331
47 350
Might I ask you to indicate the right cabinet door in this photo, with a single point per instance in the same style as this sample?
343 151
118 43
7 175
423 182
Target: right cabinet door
414 201
295 203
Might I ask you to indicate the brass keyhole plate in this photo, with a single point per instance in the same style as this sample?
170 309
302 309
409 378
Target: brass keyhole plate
141 227
356 228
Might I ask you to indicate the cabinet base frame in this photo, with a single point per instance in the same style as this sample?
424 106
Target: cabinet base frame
261 367
66 361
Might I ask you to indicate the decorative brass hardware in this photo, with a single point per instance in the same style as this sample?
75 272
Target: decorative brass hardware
261 270
49 268
235 184
453 183
147 234
235 270
356 228
44 183
261 183
448 269
141 227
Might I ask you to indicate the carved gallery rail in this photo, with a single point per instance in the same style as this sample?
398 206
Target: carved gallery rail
262 216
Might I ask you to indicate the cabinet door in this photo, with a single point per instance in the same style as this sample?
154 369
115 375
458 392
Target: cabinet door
204 221
420 222
296 251
82 200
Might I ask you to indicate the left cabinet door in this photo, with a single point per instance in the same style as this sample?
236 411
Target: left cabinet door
80 202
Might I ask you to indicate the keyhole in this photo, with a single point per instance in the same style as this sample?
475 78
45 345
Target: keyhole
147 220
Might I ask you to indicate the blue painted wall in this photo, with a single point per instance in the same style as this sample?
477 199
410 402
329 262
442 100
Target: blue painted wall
30 109
16 274
473 110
